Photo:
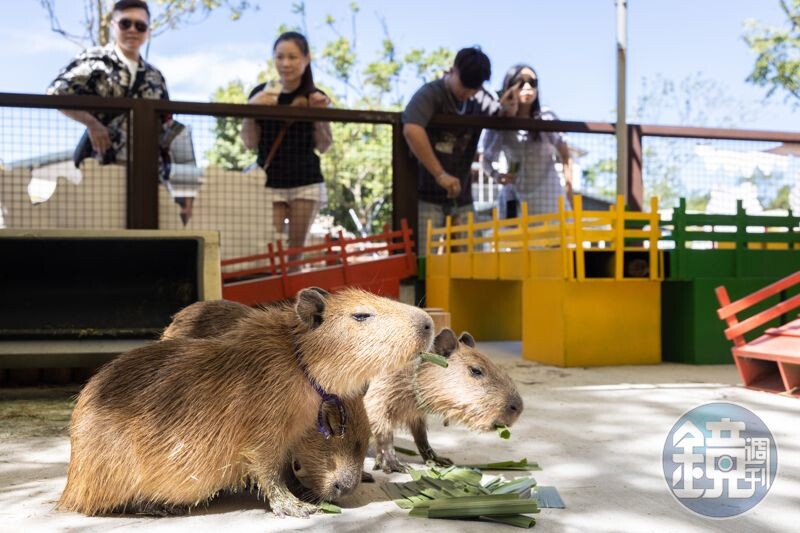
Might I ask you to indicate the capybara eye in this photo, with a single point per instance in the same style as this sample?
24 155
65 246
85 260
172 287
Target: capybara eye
361 317
296 465
475 371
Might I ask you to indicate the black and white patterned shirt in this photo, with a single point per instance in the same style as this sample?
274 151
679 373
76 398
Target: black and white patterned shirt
100 71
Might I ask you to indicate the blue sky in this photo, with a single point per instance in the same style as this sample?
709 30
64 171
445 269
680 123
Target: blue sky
571 43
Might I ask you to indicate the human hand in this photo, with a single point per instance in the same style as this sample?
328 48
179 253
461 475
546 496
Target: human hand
265 97
505 178
449 183
99 137
509 102
299 101
317 99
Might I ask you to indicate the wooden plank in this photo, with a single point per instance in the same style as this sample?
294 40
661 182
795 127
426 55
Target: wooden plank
763 317
733 308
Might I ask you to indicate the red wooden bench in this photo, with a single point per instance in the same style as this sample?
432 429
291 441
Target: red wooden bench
772 361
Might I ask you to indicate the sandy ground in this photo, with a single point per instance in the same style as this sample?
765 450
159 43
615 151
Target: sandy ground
598 434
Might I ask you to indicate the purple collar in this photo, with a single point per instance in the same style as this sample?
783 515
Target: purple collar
322 423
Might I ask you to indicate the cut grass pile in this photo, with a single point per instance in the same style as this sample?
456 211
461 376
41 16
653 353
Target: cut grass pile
460 493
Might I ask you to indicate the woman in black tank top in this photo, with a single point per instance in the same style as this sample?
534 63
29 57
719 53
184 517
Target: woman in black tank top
288 150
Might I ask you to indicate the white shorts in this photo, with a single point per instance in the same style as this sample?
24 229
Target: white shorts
316 192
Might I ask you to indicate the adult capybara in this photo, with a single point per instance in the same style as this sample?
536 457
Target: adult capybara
320 468
171 424
472 390
205 319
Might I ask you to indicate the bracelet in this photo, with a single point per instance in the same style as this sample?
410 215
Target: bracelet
442 173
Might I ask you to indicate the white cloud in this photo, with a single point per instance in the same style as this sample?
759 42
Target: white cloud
21 43
194 76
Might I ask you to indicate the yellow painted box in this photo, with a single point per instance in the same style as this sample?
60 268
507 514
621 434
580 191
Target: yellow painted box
596 322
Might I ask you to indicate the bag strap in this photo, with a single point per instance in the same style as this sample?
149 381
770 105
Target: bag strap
275 145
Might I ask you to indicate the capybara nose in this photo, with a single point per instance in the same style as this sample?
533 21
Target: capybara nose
514 406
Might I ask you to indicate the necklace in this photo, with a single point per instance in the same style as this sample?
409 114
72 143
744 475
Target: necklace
460 108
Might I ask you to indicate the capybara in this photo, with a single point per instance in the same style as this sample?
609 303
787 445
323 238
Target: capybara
328 469
205 319
472 390
169 425
323 468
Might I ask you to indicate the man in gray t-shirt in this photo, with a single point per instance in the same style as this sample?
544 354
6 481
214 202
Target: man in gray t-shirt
445 154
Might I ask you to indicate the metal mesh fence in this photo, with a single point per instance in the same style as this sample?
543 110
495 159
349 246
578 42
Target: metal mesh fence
40 186
712 174
218 183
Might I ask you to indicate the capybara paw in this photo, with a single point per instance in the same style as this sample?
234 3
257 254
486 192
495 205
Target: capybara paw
285 506
441 461
366 477
391 464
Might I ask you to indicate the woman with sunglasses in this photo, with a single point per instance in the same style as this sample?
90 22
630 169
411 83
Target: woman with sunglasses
287 151
524 162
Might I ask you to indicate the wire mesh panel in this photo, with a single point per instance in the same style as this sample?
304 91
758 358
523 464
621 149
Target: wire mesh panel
593 158
40 184
712 174
268 180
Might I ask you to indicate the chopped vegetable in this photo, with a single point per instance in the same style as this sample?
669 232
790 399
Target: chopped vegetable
330 508
434 358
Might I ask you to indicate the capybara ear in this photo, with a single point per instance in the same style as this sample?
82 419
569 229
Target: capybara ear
323 292
467 339
445 342
310 306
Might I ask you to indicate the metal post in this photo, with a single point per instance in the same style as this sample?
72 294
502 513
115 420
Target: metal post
621 126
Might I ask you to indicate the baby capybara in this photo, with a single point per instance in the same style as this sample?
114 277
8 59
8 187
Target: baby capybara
171 424
471 390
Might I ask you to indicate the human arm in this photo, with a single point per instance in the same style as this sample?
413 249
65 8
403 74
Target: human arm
251 130
323 137
98 134
420 145
566 162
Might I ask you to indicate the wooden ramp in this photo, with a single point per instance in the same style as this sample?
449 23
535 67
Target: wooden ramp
772 361
375 263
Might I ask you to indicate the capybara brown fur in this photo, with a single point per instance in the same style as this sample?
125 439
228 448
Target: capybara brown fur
170 424
328 469
471 390
324 468
205 319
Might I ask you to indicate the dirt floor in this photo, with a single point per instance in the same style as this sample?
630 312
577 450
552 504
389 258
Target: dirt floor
598 434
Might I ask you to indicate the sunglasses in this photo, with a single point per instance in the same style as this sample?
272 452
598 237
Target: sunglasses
533 82
125 24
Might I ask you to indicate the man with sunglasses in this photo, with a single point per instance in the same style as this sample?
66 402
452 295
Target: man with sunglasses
116 70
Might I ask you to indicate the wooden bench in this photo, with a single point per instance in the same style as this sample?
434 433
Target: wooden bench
772 361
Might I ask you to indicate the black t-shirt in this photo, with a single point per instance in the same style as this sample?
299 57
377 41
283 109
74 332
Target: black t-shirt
454 146
295 163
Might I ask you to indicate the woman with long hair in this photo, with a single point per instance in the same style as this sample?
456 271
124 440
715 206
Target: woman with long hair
529 172
287 151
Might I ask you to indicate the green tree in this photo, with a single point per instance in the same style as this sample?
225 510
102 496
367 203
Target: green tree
93 28
777 52
693 101
358 166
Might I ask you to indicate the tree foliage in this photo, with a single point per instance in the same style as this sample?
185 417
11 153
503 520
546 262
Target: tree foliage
777 52
94 27
693 101
358 166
